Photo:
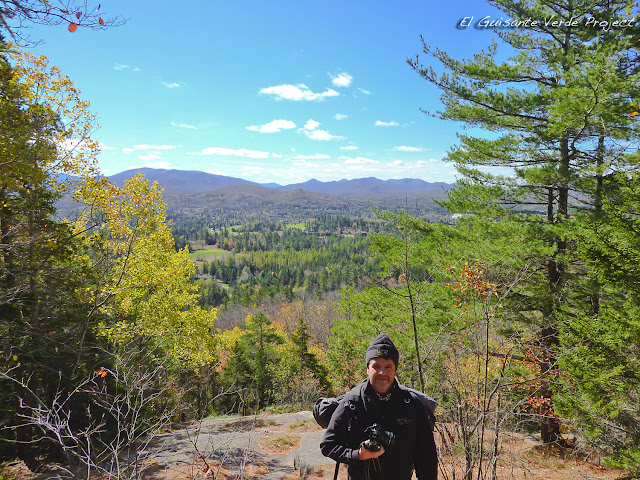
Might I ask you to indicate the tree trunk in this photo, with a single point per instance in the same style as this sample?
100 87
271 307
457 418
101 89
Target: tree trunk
549 423
24 431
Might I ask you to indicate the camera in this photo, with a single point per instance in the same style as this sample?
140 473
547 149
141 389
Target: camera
378 437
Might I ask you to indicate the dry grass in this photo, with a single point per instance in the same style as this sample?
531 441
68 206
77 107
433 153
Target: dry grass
278 444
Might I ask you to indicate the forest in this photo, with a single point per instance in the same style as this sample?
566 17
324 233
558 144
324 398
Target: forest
523 315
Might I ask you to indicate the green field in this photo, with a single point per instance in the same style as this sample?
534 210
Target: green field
299 226
208 254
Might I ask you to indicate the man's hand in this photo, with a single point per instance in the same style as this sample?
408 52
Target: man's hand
365 454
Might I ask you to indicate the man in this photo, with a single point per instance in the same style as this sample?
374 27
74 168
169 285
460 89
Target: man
407 441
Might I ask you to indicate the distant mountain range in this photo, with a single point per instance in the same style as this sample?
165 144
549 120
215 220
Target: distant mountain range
206 197
190 181
369 186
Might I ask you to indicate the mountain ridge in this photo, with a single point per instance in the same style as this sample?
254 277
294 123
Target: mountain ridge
180 181
175 181
200 195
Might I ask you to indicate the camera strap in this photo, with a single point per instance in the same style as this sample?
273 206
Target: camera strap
350 399
335 474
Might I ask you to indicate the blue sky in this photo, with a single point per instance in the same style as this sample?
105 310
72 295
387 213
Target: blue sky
269 91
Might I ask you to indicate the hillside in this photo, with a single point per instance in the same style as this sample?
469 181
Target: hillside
249 202
180 181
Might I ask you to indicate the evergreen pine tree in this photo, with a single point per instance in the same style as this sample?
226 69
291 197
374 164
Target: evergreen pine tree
555 115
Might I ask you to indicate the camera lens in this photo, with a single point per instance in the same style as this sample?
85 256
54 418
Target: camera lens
379 436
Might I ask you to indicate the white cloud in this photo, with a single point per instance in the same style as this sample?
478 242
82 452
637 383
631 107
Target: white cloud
172 84
366 92
321 135
150 156
121 66
317 156
305 164
231 152
340 116
273 126
252 169
342 80
153 147
349 147
297 93
361 169
424 169
164 165
311 124
310 130
184 125
128 150
404 148
380 123
359 161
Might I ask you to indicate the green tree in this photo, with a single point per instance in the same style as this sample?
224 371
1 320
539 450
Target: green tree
300 377
554 115
407 297
601 351
87 296
44 141
44 121
146 287
305 359
248 370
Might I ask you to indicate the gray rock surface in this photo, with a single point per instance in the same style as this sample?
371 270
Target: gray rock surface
264 447
308 456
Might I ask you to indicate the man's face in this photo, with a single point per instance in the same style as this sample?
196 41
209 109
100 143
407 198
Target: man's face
381 372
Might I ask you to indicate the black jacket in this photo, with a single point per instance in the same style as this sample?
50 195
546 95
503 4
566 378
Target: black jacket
403 415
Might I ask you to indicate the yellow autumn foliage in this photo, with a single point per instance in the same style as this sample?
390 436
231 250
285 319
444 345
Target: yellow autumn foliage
148 283
49 98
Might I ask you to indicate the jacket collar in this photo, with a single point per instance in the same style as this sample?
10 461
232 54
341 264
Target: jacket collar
370 392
